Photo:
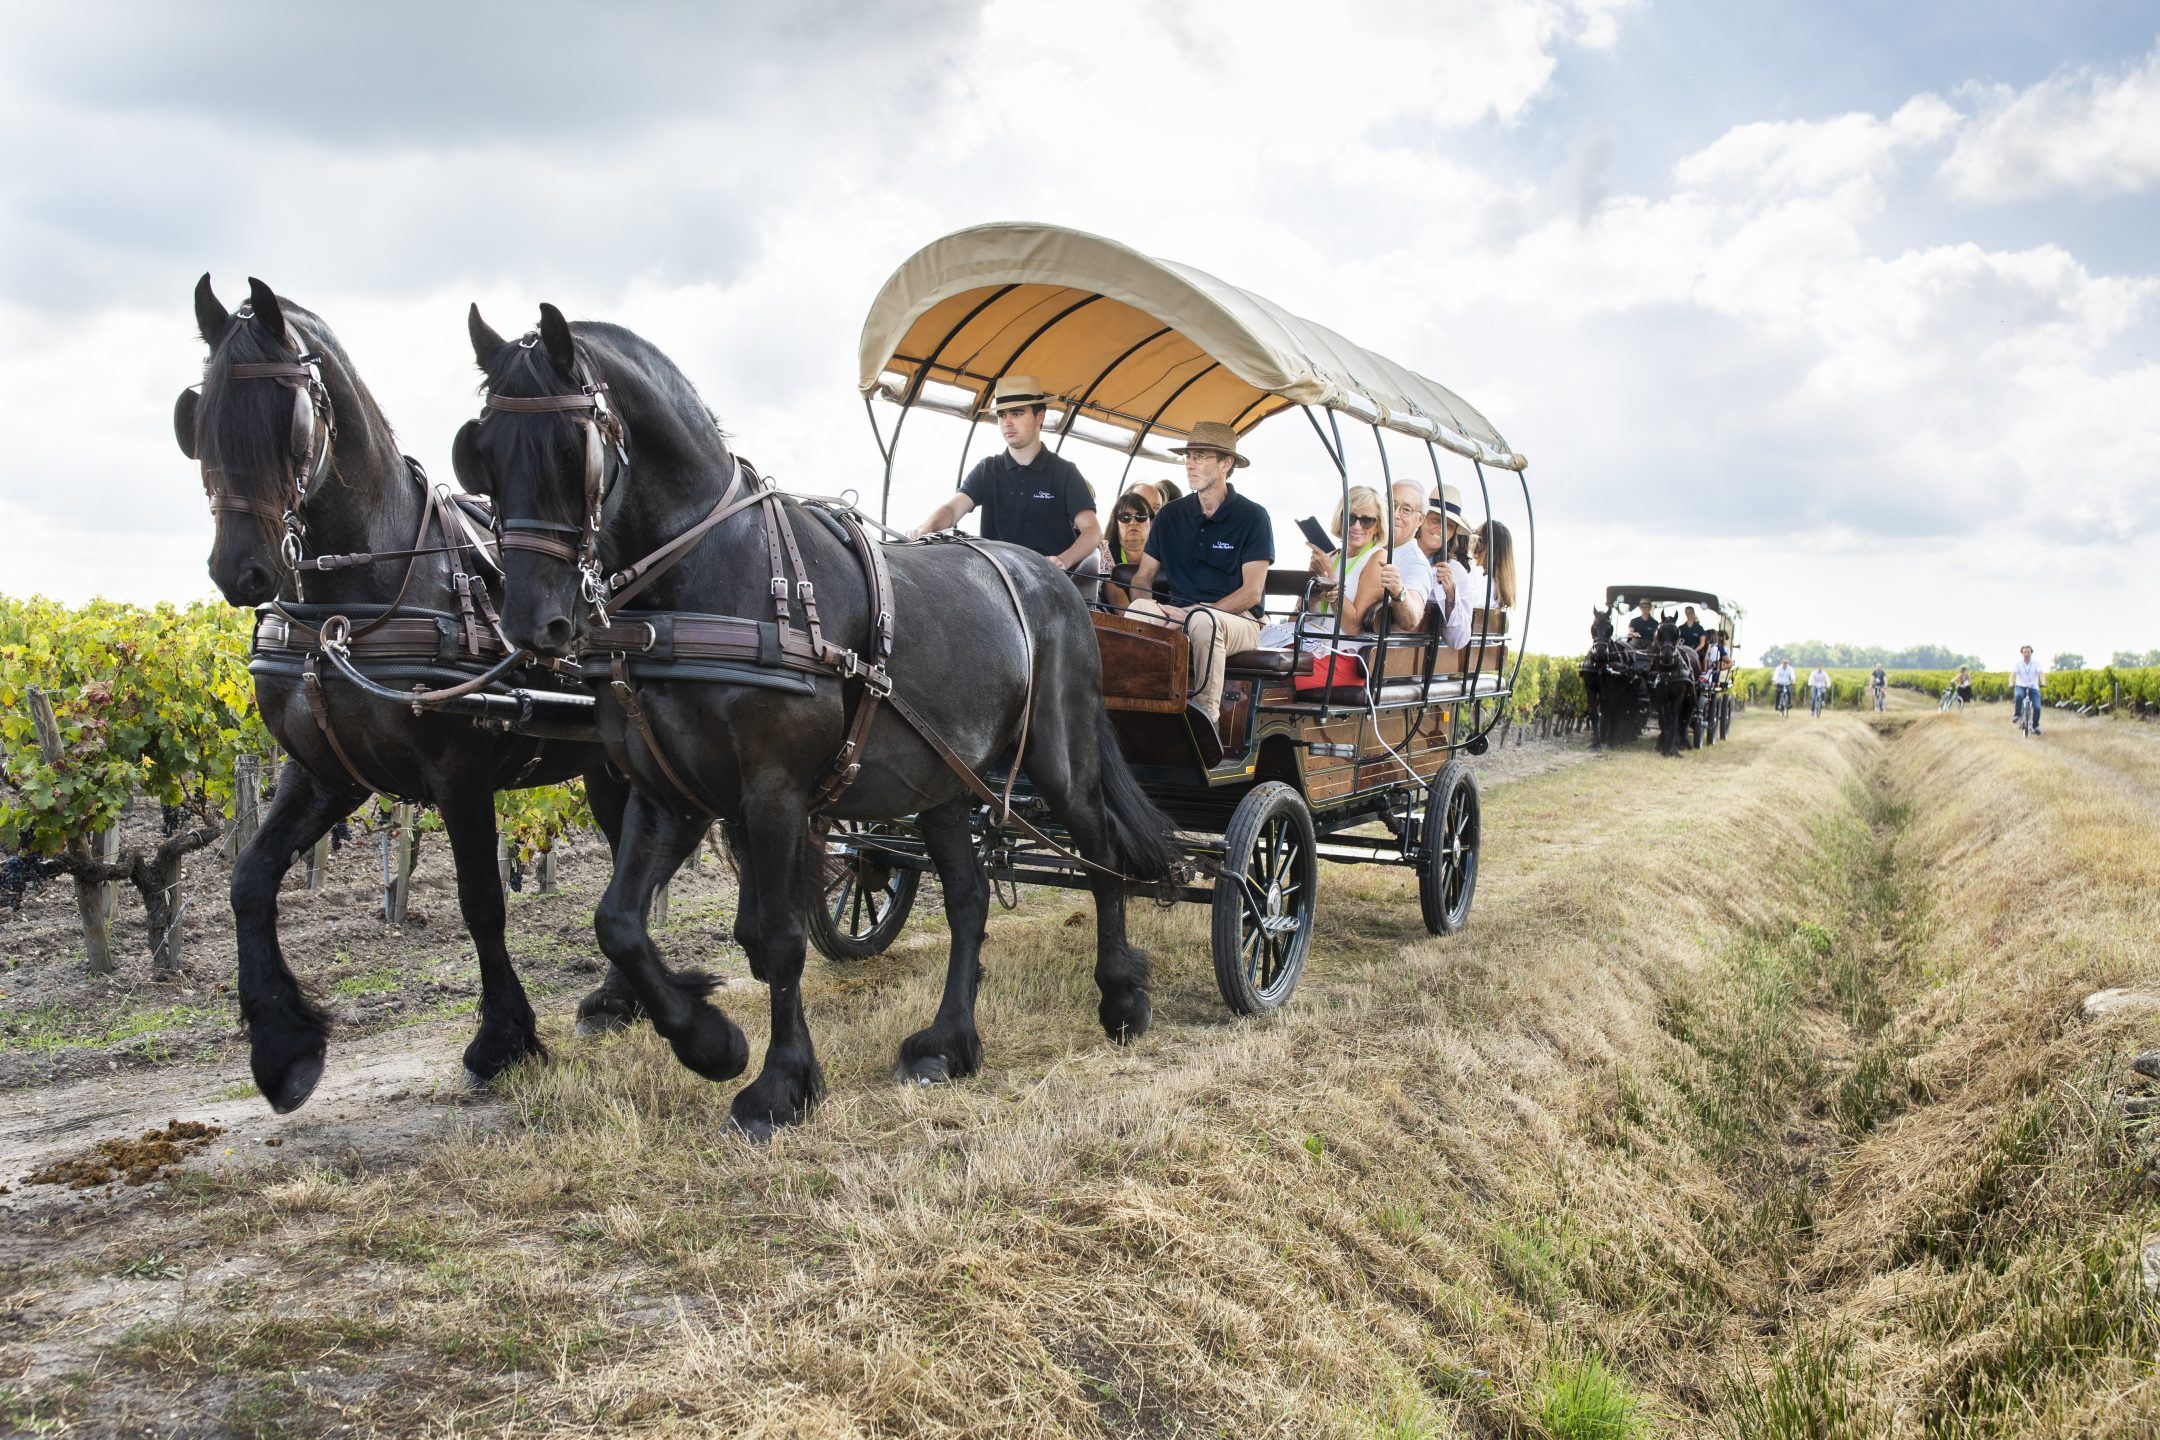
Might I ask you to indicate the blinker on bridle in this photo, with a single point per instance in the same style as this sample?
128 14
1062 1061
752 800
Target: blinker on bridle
587 407
314 430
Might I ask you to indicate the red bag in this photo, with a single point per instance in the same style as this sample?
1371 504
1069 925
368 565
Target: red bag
1325 672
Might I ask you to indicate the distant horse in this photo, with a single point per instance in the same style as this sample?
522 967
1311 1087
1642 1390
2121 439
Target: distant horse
1675 687
598 451
1608 676
299 464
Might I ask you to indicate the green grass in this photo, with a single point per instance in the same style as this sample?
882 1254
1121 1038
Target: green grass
60 1026
1586 1399
1811 1393
369 982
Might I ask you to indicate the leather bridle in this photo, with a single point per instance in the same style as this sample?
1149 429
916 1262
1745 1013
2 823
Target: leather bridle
312 435
588 408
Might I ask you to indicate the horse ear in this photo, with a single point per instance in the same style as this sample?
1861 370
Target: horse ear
265 301
465 459
211 317
183 421
555 337
486 344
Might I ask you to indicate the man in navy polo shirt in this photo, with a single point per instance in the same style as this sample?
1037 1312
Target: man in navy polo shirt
1212 548
1028 496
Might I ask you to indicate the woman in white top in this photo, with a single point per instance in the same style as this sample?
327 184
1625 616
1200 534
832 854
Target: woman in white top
1360 568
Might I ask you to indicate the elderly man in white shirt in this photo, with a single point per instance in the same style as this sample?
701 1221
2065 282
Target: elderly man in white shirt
2025 687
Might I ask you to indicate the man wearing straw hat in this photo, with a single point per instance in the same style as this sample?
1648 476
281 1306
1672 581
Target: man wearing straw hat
1212 548
1028 495
1448 581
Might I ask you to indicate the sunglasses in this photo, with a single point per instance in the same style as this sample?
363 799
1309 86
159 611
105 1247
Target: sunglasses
1364 520
1127 517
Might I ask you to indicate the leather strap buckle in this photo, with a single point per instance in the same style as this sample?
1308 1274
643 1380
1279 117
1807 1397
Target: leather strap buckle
779 587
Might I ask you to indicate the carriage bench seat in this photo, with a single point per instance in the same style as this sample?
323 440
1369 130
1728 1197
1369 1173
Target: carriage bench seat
1262 662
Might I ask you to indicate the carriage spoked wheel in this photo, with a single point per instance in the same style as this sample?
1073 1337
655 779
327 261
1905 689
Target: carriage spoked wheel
866 901
1264 898
1448 849
1724 724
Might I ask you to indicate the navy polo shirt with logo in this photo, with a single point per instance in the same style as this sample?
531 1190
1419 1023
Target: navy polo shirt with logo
1037 504
1203 557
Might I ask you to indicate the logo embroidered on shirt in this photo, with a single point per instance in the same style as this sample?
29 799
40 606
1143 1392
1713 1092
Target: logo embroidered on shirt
1224 545
1045 495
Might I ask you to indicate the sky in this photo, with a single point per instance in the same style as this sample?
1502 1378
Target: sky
1848 311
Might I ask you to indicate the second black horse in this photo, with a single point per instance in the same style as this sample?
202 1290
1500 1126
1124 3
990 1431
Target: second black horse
594 438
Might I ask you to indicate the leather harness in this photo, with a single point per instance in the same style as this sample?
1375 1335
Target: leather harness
738 641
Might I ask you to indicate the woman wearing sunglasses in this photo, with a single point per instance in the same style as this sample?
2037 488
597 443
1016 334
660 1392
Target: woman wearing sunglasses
1361 569
1129 522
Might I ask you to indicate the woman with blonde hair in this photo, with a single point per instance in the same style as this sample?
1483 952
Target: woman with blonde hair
1360 568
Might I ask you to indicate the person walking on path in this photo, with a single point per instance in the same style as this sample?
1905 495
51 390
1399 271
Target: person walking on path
2025 690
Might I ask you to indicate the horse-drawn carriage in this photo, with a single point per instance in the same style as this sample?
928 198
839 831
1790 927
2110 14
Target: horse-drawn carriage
1133 350
1632 678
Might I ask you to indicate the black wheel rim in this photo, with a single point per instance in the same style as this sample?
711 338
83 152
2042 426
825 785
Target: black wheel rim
1457 847
1274 901
862 893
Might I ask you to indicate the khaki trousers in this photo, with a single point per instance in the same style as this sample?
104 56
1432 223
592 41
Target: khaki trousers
1214 636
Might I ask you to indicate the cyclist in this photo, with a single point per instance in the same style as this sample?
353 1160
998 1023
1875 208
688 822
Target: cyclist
1783 679
1963 686
2025 691
1818 690
1879 684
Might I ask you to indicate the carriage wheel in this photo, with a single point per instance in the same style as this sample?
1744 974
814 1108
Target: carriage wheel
1264 899
1448 849
1724 724
864 902
1705 722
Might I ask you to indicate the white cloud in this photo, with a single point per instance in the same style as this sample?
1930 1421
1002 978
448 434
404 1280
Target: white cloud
2091 131
1780 157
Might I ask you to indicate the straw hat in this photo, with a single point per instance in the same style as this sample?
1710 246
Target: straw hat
1016 392
1213 435
1448 502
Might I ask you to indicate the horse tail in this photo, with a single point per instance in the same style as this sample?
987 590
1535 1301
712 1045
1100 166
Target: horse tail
1138 832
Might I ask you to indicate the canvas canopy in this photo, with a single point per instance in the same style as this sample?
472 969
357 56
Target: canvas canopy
1633 595
1147 346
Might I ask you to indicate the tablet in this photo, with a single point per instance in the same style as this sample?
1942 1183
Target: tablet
1321 540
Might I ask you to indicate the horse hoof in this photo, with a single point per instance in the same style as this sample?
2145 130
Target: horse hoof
1126 1019
600 1024
928 1070
298 1082
474 1080
715 1047
756 1131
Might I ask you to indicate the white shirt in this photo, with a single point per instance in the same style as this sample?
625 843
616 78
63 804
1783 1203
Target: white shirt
1819 680
2025 672
1783 676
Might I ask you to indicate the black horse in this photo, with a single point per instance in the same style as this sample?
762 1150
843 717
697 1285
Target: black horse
294 473
1609 682
756 755
1674 684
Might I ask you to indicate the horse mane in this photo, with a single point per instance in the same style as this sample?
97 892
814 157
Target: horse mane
652 420
243 429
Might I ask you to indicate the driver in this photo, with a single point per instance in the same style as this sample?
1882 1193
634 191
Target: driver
1028 495
1213 548
1642 627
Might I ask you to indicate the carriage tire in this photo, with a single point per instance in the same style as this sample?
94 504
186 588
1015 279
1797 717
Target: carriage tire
852 922
1264 899
1724 724
1448 844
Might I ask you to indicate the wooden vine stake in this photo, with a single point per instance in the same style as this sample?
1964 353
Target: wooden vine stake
544 868
397 863
318 856
89 894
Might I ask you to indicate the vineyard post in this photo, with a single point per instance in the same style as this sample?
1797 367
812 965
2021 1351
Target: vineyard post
108 853
545 869
89 895
502 861
657 915
397 863
318 857
247 804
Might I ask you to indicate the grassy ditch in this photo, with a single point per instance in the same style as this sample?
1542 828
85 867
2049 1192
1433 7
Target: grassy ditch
1747 1106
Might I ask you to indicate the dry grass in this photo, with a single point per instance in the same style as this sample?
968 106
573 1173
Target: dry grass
1748 1105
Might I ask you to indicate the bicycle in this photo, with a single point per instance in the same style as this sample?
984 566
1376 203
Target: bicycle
1784 699
1951 700
1816 699
1882 697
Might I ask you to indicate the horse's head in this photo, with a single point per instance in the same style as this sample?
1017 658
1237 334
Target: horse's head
1600 624
547 450
260 427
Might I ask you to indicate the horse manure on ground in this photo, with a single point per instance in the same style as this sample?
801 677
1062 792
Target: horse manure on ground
137 1161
